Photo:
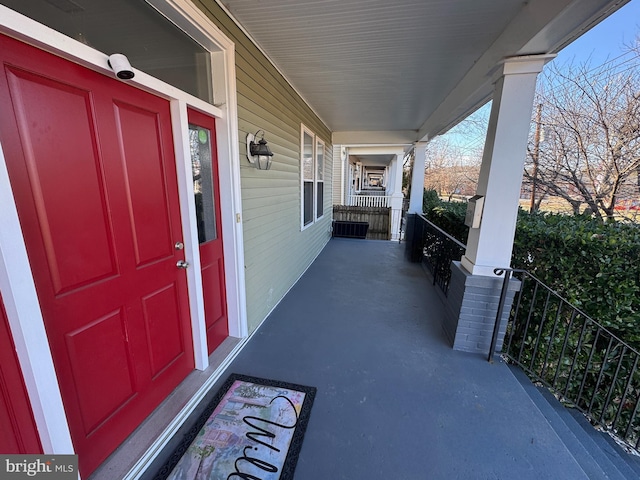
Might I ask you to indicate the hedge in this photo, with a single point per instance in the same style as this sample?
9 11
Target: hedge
594 265
449 216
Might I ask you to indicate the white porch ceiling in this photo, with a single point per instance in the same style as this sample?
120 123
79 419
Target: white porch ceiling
382 71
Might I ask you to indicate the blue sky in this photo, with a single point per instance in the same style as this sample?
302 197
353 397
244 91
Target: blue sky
607 39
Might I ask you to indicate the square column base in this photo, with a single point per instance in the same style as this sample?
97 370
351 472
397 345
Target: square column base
471 309
413 238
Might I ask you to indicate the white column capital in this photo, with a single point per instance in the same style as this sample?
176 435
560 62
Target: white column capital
524 64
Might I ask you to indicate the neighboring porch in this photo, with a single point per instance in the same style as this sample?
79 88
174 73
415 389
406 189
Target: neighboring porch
394 400
368 180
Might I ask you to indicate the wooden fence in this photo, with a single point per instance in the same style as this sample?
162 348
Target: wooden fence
378 219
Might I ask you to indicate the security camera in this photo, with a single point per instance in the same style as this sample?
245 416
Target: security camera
121 66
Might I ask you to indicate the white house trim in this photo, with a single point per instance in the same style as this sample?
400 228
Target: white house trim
16 280
304 129
190 233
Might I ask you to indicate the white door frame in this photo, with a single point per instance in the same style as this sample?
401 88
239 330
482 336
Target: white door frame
16 281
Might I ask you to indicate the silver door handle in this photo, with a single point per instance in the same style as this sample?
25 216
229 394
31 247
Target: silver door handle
182 264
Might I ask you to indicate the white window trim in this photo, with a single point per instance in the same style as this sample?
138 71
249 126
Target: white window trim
303 130
16 282
315 139
317 145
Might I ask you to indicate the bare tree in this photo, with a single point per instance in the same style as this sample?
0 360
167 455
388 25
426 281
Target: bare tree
452 163
590 152
450 169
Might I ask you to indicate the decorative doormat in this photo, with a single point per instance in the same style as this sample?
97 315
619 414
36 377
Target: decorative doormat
252 429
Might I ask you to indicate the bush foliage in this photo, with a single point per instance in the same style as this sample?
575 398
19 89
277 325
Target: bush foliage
594 265
449 216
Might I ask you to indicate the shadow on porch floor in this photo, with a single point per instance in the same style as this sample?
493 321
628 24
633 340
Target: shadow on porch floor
394 401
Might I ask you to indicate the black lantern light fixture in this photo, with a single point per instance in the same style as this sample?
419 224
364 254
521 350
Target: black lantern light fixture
258 153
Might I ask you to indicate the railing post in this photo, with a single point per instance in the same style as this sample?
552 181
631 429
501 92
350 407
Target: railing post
503 297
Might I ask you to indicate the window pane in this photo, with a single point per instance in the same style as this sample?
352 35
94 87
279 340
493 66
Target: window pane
149 40
320 161
307 157
320 208
308 203
200 146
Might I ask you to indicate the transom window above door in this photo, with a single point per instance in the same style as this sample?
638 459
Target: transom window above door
134 28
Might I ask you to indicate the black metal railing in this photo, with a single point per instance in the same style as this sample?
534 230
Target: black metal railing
438 250
585 364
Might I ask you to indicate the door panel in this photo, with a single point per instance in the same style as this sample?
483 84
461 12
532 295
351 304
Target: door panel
214 310
19 434
166 342
93 368
204 163
75 258
141 150
91 163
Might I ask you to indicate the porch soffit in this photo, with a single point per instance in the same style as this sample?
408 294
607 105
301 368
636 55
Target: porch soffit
408 69
374 155
373 160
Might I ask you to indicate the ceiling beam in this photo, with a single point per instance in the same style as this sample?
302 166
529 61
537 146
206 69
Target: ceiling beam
377 150
392 137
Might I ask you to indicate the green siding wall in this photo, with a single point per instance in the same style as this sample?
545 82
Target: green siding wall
276 251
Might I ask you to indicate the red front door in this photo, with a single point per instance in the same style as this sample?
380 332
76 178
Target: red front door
19 434
91 163
204 162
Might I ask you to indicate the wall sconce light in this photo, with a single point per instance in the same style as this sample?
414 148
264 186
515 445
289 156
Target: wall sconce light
258 153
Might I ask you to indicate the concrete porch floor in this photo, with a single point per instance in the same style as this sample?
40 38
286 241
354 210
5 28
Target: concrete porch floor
394 401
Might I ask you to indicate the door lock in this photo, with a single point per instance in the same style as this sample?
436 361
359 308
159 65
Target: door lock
179 245
182 264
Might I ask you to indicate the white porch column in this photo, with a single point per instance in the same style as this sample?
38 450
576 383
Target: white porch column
490 245
396 196
417 178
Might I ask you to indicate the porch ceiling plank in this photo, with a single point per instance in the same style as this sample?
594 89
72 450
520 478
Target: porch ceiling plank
409 68
271 89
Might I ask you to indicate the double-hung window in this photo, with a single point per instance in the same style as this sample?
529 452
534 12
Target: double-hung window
312 177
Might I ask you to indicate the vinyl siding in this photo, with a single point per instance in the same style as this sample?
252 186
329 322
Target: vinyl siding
276 251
